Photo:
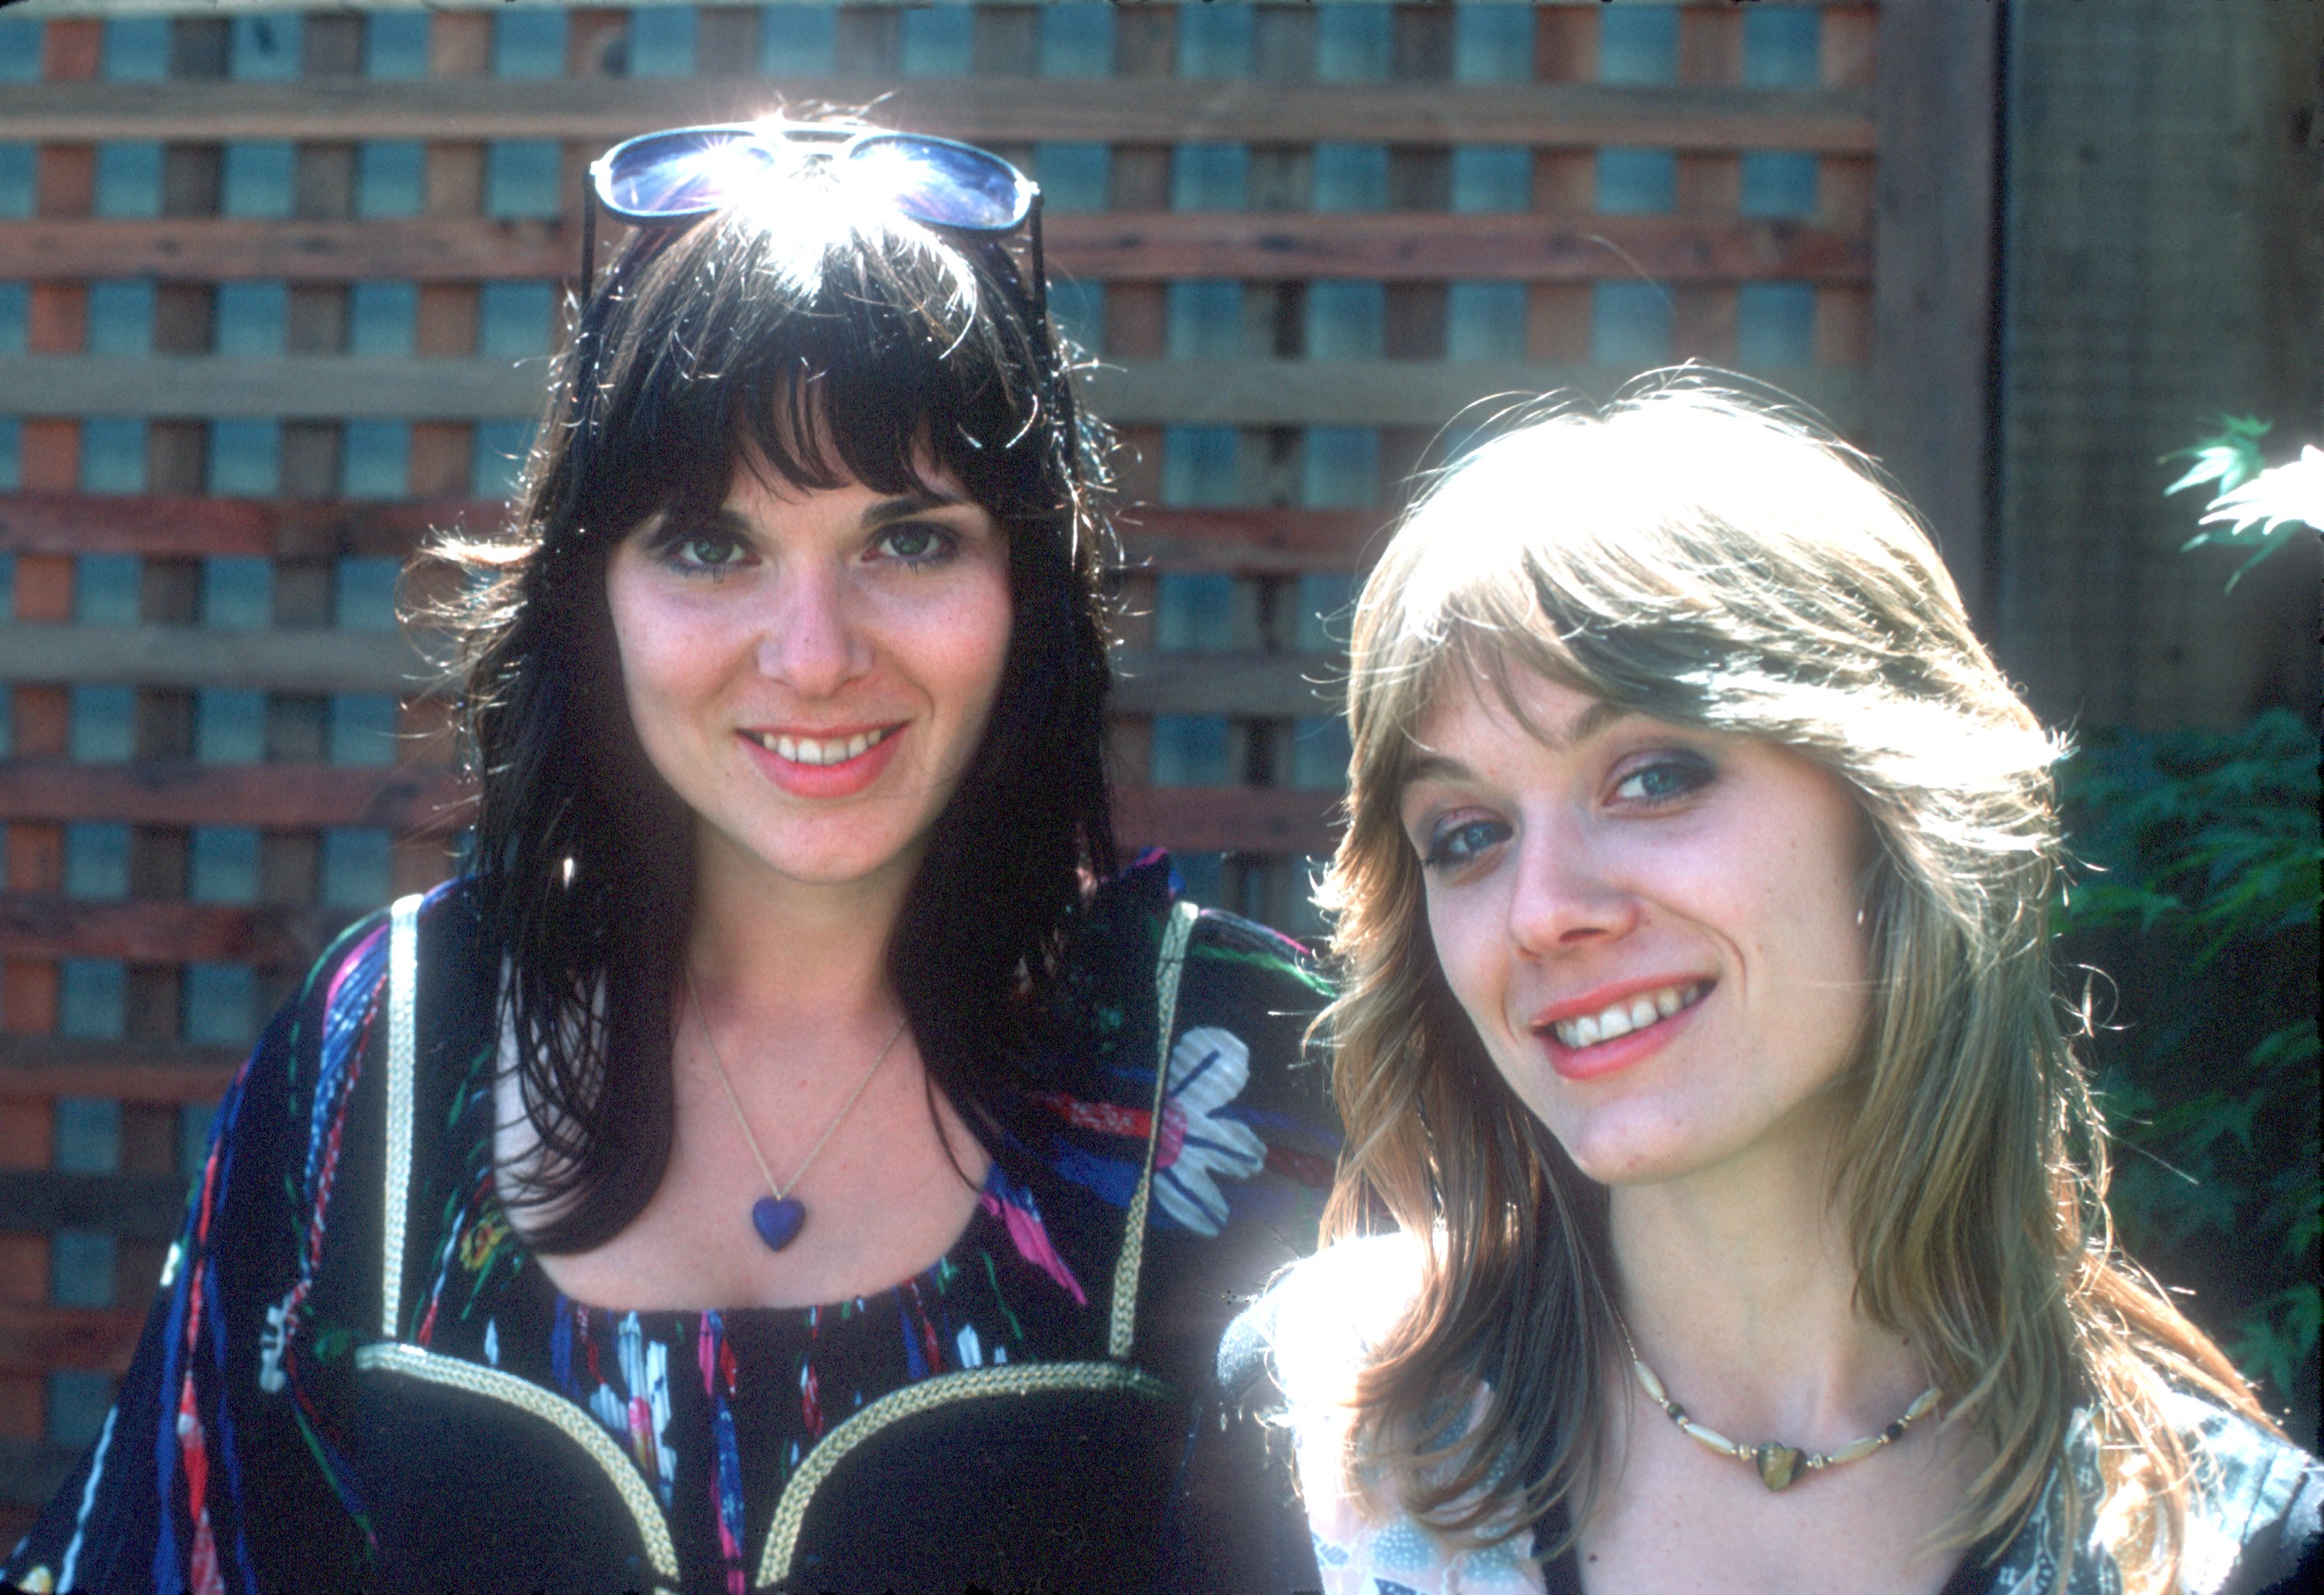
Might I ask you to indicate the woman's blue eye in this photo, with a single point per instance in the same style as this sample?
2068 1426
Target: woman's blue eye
1664 780
1458 845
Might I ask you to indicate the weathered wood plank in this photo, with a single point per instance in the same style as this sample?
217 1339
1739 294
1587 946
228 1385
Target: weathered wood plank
1439 246
1217 392
311 387
1933 297
36 1339
271 936
57 9
318 660
1402 245
1011 110
412 799
314 661
172 526
1253 685
1419 393
417 800
144 1207
1255 542
114 1070
1228 819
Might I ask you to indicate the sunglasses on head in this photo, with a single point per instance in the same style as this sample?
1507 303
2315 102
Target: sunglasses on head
684 173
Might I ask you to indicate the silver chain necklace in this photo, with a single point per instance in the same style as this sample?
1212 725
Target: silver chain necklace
779 1216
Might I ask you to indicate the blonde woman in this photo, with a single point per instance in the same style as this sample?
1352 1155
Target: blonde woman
1699 1040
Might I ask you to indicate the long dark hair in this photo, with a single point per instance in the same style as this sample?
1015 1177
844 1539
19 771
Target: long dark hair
836 341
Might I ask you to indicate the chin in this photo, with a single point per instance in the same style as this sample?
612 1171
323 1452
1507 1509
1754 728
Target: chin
1621 1151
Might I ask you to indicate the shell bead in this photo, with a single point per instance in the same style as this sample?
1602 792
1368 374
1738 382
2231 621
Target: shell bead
1778 1465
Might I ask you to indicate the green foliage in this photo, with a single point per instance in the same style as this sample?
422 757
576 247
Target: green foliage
2200 857
2254 506
2230 457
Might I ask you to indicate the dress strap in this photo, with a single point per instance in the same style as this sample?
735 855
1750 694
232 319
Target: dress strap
1175 933
403 1050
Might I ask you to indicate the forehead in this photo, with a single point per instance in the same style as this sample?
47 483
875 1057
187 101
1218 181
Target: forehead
758 481
1495 697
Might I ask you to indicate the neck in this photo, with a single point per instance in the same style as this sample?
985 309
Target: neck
1738 1285
807 958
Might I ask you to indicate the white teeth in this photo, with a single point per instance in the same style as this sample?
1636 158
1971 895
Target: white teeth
811 750
1633 1014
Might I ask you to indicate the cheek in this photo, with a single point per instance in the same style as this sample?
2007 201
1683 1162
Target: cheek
974 643
669 661
1816 906
1472 957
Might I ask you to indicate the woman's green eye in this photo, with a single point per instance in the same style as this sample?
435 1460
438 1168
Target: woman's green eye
708 552
916 544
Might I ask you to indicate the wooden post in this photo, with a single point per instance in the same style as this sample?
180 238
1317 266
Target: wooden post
1933 295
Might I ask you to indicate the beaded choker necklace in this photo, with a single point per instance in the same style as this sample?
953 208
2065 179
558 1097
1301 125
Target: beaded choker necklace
1779 1465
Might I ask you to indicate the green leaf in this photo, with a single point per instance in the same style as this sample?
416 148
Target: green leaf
2280 1337
2229 457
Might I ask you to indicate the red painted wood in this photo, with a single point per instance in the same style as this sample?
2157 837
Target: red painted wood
1227 819
271 936
1575 244
410 799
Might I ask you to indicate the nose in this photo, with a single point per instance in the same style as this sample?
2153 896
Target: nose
1567 893
813 642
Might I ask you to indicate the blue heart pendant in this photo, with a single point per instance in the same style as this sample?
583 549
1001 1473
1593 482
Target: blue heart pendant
777 1219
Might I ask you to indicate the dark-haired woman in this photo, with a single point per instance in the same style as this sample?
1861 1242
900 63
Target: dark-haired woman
793 1157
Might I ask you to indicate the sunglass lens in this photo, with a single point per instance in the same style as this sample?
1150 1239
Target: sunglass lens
684 173
943 185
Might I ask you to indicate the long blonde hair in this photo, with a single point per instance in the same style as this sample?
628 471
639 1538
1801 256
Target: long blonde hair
1712 562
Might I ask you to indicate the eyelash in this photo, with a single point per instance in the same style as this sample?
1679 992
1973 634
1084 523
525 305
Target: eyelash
942 544
673 551
1692 773
1445 851
1458 845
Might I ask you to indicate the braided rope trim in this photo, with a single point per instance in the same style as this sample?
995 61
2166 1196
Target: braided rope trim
1176 935
944 1389
578 1427
402 1067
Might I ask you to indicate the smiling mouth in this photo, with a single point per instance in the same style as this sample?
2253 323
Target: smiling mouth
1632 1013
821 750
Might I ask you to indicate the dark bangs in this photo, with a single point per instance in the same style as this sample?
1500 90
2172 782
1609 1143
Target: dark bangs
832 345
851 353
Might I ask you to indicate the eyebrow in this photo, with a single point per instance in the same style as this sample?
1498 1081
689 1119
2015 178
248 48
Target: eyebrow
886 511
907 504
1590 723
